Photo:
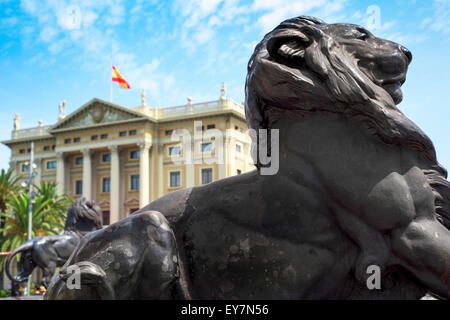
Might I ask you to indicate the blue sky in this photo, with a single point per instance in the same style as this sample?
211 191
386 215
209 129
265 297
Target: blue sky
63 50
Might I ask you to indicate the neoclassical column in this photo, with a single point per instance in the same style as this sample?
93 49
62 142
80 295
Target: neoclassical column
144 174
60 173
231 155
87 174
13 166
160 170
38 170
190 174
222 157
151 172
114 191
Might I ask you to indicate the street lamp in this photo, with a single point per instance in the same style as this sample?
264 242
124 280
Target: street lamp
32 166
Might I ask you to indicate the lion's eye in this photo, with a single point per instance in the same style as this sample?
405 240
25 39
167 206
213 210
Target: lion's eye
362 36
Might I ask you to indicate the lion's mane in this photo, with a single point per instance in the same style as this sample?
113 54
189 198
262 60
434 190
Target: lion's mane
83 216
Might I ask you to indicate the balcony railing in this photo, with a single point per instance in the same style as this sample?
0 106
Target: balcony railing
30 132
196 108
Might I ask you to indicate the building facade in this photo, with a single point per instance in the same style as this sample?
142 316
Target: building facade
123 158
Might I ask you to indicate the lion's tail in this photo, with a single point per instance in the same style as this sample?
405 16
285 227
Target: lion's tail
22 248
441 190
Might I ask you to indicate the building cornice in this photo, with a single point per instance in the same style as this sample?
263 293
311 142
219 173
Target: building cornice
97 125
27 139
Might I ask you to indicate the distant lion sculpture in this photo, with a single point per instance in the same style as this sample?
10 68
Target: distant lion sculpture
358 187
50 252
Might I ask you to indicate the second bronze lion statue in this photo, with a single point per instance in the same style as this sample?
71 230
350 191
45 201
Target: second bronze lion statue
358 186
50 252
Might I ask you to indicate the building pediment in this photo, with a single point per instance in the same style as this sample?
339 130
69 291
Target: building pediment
96 112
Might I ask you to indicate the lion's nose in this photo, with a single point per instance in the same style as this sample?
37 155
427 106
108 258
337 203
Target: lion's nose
407 53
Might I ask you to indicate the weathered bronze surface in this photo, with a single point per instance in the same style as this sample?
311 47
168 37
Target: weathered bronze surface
358 185
50 252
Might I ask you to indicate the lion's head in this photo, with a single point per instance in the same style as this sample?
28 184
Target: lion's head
84 216
307 65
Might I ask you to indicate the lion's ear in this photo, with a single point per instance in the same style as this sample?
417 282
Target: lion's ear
289 45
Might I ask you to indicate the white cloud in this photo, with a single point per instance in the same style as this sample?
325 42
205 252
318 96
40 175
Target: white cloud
88 29
441 20
9 22
279 10
404 39
48 34
200 19
203 35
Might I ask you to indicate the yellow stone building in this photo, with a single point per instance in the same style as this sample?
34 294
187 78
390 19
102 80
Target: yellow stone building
123 158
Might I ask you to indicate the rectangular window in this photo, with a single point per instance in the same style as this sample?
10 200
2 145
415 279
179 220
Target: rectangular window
134 182
210 126
25 167
106 157
179 131
51 165
79 187
47 148
53 147
238 148
169 132
133 210
174 151
104 136
93 138
122 133
106 184
134 154
199 128
67 141
78 161
105 217
207 175
207 147
76 139
22 151
132 132
175 179
238 171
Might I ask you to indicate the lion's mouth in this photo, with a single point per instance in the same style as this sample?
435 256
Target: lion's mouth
394 90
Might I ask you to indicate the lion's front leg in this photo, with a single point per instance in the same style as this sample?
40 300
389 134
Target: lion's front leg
134 258
423 248
403 207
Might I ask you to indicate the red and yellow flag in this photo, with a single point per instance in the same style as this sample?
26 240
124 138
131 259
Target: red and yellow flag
117 77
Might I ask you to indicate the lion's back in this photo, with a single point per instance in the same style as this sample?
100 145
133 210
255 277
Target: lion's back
172 205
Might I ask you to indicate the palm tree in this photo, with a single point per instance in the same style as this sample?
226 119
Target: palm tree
48 216
59 203
8 186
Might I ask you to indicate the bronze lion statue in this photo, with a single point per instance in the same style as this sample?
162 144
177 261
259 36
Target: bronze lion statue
50 252
358 186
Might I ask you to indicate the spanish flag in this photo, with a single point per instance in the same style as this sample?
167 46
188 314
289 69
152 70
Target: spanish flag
116 76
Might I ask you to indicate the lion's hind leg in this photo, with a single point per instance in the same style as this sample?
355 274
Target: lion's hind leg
134 258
